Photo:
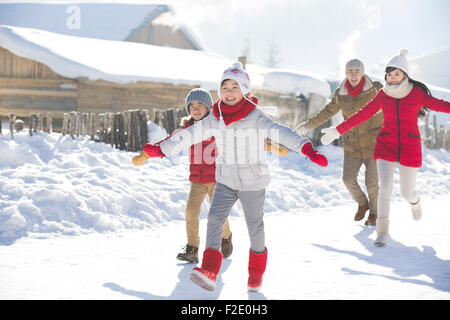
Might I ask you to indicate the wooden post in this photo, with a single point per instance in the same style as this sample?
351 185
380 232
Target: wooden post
96 125
104 128
440 137
83 123
72 119
128 126
163 115
447 140
35 123
49 123
143 132
91 130
39 122
79 124
122 131
30 125
12 118
110 127
133 130
65 123
114 128
157 118
435 135
171 120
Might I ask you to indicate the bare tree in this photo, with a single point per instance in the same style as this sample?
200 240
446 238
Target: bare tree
272 60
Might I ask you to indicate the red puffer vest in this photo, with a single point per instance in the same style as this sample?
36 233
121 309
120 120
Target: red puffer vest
399 137
202 158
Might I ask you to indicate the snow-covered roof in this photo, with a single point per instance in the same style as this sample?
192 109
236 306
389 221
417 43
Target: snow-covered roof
127 62
109 21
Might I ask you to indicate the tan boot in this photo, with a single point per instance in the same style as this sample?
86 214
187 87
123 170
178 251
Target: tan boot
361 212
190 254
227 247
382 232
371 220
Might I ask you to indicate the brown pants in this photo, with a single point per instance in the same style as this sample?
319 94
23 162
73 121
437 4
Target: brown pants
193 207
350 177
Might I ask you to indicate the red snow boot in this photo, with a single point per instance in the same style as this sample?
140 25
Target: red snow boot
206 276
256 267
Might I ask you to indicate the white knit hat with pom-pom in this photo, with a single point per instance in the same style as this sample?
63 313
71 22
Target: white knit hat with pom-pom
236 72
400 61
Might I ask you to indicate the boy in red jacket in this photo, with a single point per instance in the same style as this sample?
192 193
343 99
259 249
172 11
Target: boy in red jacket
398 143
202 168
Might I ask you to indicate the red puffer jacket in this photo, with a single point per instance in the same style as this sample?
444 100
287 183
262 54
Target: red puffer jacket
399 137
202 158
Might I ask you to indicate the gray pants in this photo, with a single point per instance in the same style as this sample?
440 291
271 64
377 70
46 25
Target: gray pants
253 204
352 166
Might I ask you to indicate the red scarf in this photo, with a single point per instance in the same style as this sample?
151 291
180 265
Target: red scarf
356 90
234 113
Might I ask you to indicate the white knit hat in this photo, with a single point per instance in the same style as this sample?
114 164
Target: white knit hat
400 61
237 73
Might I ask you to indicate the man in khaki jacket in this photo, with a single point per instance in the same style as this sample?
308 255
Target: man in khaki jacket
354 92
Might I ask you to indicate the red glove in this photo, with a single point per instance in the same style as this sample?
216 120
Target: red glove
314 155
153 150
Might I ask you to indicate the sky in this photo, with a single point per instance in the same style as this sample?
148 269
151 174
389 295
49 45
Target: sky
314 36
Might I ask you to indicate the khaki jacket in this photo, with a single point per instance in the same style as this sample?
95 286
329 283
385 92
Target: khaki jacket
359 141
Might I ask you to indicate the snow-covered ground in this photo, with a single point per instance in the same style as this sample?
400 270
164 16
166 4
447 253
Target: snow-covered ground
79 221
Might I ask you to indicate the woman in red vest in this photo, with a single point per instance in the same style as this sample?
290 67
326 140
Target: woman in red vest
401 100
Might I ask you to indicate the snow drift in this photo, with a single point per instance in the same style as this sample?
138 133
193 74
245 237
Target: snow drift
50 183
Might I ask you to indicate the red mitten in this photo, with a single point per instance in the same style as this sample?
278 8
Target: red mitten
153 150
314 155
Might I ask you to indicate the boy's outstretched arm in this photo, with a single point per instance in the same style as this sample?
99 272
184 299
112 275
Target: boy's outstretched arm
291 140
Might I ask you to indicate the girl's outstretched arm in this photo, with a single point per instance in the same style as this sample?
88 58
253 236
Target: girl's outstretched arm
436 104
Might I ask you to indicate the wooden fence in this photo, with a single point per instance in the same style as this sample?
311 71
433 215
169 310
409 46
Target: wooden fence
128 130
435 138
125 130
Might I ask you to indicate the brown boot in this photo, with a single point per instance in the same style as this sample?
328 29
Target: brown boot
190 254
361 212
371 220
227 247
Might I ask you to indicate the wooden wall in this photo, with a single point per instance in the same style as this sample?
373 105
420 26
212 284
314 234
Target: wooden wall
102 96
13 66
